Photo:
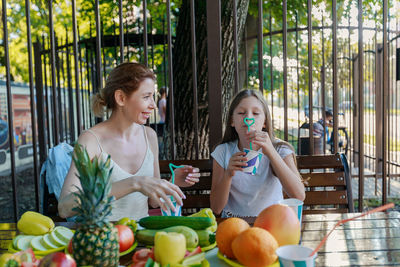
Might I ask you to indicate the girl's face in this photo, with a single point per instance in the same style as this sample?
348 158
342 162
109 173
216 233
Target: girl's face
249 107
140 104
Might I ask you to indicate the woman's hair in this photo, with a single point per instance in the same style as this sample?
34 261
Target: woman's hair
126 77
230 133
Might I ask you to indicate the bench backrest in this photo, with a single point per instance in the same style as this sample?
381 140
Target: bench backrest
328 183
198 195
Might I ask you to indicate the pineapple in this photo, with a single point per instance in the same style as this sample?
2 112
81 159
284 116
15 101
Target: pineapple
95 241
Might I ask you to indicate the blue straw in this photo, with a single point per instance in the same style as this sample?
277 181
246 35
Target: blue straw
171 166
248 126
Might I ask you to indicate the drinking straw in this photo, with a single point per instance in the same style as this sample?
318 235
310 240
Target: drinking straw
173 174
248 126
381 208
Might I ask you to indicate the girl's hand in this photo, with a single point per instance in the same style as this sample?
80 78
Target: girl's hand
237 161
156 188
186 176
261 139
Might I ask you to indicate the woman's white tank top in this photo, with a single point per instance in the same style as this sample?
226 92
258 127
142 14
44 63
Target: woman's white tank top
134 205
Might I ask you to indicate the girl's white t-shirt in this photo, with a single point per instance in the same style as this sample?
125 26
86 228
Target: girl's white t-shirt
250 194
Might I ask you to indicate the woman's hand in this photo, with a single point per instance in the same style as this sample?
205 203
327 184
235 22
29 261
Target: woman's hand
157 189
186 176
261 139
236 162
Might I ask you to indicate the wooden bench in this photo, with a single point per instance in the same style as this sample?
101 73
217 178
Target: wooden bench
328 184
198 195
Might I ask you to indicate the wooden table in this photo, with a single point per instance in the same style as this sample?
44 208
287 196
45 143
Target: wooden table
373 240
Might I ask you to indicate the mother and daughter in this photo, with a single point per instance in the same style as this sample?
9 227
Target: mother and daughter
133 147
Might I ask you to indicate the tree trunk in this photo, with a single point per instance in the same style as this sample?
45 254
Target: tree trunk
183 77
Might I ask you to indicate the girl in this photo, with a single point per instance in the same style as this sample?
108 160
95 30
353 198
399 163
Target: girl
133 147
235 193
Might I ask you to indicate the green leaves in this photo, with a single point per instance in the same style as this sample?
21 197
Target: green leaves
94 175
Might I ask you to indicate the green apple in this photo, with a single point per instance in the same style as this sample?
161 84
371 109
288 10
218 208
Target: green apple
63 233
169 248
55 240
36 243
24 242
47 243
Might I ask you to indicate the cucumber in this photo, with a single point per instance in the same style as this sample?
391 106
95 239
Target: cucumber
146 236
160 222
206 237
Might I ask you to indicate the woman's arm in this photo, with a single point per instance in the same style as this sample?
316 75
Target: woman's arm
222 179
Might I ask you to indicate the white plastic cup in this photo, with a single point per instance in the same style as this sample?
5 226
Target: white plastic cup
295 255
169 212
295 204
254 158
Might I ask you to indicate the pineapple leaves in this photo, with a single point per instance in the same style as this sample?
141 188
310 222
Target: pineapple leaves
94 200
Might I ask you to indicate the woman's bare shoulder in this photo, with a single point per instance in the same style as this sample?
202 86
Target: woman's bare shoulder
151 134
88 140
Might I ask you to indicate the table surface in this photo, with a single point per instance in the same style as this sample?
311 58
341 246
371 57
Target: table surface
373 240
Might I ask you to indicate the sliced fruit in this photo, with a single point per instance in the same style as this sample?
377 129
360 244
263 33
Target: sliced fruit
24 242
47 243
36 243
15 240
63 233
195 259
55 240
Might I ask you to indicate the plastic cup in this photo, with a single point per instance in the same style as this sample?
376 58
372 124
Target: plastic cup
295 204
169 212
254 158
295 255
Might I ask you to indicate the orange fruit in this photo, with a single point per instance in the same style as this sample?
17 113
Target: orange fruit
227 232
255 247
281 222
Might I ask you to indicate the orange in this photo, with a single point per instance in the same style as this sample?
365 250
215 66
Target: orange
255 247
227 232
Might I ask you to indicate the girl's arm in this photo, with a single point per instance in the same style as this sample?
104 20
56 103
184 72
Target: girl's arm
285 169
222 179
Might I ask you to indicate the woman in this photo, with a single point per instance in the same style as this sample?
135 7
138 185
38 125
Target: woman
133 147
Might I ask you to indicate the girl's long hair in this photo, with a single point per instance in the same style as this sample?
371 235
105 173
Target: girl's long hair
230 133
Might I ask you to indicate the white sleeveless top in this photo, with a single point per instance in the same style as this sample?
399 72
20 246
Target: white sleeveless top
134 205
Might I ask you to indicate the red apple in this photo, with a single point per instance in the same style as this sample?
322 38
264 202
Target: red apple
281 222
125 236
57 259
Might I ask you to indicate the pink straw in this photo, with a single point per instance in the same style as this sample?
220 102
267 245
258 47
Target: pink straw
381 208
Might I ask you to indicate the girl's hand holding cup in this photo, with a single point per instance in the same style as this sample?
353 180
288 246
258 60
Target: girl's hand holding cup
261 139
237 161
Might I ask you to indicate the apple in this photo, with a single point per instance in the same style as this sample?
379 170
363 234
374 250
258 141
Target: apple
70 247
125 237
281 222
57 259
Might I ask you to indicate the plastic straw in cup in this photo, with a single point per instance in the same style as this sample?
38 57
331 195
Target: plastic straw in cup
248 126
381 208
171 166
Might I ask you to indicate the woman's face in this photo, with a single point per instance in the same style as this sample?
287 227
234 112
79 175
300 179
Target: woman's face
140 104
249 107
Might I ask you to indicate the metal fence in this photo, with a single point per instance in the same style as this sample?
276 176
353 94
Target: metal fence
302 66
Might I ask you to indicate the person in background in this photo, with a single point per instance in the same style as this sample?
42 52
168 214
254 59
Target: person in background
162 104
236 193
136 183
321 128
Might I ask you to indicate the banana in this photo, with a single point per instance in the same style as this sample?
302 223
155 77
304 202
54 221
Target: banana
33 223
